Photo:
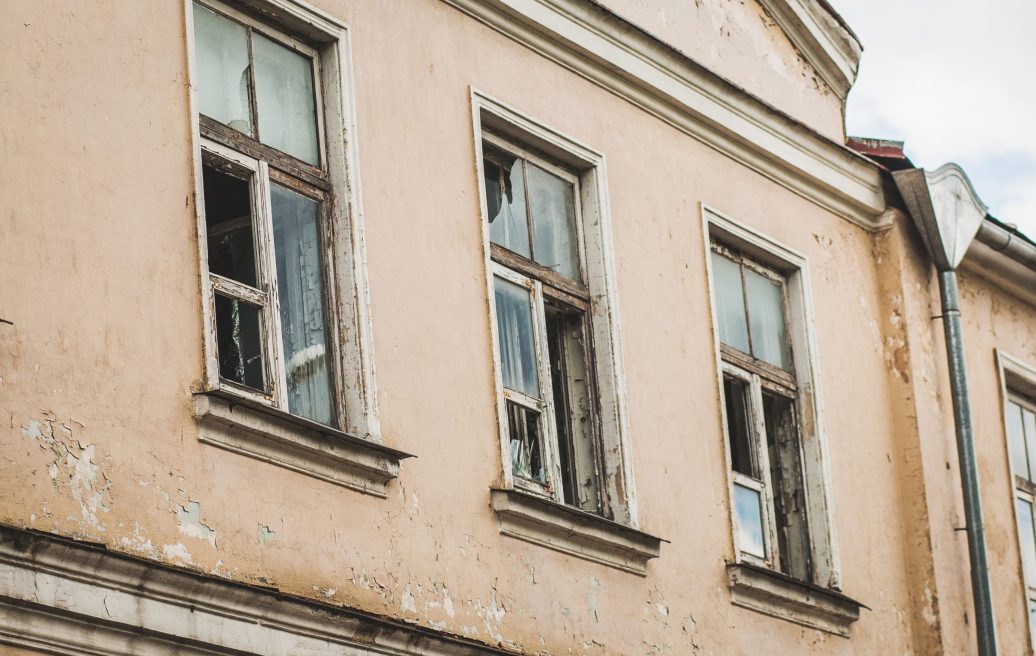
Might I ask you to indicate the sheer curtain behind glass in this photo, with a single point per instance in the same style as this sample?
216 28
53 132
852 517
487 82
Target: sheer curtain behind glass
300 279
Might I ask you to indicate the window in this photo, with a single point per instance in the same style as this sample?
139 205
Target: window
759 392
1020 419
542 320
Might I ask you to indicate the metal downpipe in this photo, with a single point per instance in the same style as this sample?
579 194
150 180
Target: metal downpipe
984 625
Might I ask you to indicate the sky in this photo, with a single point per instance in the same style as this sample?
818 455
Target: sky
956 81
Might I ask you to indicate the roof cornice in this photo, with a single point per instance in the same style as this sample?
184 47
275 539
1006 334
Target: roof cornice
611 52
826 43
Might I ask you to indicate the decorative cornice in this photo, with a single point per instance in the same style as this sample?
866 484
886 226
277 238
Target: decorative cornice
616 55
60 596
830 48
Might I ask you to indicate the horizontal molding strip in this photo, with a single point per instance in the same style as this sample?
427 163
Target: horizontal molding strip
621 58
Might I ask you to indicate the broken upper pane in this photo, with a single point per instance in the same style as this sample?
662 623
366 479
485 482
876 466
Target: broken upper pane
735 396
766 319
1016 440
228 224
239 342
552 201
730 303
300 288
224 92
515 332
505 202
749 521
285 99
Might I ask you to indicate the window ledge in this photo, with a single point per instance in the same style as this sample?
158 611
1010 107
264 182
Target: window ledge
784 597
274 436
569 530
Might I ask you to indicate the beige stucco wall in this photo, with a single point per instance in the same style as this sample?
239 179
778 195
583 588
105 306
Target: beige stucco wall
100 280
741 42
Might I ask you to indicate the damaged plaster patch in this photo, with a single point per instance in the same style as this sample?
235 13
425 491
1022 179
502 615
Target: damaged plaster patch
174 552
72 463
408 603
189 520
266 535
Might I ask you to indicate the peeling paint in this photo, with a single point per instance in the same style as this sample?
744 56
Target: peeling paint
266 536
189 521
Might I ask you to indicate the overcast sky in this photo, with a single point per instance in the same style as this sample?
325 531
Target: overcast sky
955 80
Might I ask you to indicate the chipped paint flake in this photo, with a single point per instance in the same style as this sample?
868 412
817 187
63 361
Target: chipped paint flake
189 520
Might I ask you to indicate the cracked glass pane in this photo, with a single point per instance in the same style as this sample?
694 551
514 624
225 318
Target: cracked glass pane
523 427
300 289
505 201
730 303
552 201
221 47
749 521
285 99
239 342
228 224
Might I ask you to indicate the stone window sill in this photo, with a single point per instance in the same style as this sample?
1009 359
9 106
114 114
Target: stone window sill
532 518
274 436
784 597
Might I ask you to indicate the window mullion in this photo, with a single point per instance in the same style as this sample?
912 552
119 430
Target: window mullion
266 259
763 462
548 428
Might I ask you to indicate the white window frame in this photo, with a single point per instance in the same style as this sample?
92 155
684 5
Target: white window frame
1018 385
326 40
493 120
794 268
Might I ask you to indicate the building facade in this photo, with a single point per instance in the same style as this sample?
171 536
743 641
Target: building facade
485 327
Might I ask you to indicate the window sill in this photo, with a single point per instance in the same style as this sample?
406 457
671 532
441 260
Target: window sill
784 597
274 436
572 531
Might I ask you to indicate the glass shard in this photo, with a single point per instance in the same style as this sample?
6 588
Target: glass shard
228 224
300 289
505 201
239 342
285 99
221 46
749 521
517 344
730 303
523 427
552 201
766 318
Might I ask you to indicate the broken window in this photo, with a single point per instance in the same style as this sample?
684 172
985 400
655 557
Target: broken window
1020 419
543 331
762 427
266 204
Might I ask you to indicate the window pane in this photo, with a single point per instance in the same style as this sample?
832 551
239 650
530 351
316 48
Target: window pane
789 499
505 200
517 345
228 224
552 201
742 457
749 521
1032 622
1029 421
239 342
300 289
523 427
1026 539
221 46
766 316
285 99
730 303
1016 439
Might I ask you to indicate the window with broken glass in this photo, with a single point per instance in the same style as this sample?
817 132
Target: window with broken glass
544 340
762 429
267 198
1020 416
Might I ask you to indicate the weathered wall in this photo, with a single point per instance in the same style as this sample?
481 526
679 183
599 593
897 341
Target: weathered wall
741 42
100 280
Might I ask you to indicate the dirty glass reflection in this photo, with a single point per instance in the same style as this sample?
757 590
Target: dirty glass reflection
766 317
239 342
505 202
300 289
228 226
552 201
285 99
221 46
517 347
749 521
730 302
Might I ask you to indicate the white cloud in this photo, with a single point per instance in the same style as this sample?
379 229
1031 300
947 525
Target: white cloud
954 79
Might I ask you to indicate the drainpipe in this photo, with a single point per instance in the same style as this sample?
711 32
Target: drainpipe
949 213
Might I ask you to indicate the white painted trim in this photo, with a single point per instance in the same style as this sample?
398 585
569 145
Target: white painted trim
780 596
813 437
831 49
599 272
652 75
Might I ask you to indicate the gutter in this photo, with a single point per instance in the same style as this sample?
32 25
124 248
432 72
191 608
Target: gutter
1005 257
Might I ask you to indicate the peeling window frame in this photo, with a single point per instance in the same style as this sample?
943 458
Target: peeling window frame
777 262
506 128
334 184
